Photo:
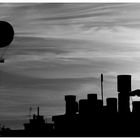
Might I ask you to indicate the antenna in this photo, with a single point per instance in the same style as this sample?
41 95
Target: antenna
102 87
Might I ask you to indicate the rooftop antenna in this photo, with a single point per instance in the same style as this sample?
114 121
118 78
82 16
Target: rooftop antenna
102 87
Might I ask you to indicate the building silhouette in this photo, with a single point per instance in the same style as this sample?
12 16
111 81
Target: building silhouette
89 117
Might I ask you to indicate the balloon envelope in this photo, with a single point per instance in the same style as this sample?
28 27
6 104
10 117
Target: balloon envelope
6 34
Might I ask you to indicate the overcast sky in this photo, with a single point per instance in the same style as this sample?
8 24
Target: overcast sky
62 49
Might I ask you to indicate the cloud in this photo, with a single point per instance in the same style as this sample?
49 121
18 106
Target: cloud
65 58
48 19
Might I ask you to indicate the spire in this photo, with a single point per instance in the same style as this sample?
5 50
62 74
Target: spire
102 86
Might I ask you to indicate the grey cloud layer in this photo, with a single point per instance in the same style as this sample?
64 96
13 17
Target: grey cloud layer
34 18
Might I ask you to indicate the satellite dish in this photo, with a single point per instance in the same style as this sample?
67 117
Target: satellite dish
6 34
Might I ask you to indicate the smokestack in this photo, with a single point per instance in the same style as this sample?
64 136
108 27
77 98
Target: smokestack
124 83
92 97
124 89
92 103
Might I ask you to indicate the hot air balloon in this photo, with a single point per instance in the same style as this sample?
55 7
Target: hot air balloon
6 37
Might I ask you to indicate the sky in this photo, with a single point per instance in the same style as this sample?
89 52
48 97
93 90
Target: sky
61 49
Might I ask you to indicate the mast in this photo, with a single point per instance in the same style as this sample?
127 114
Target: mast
102 87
